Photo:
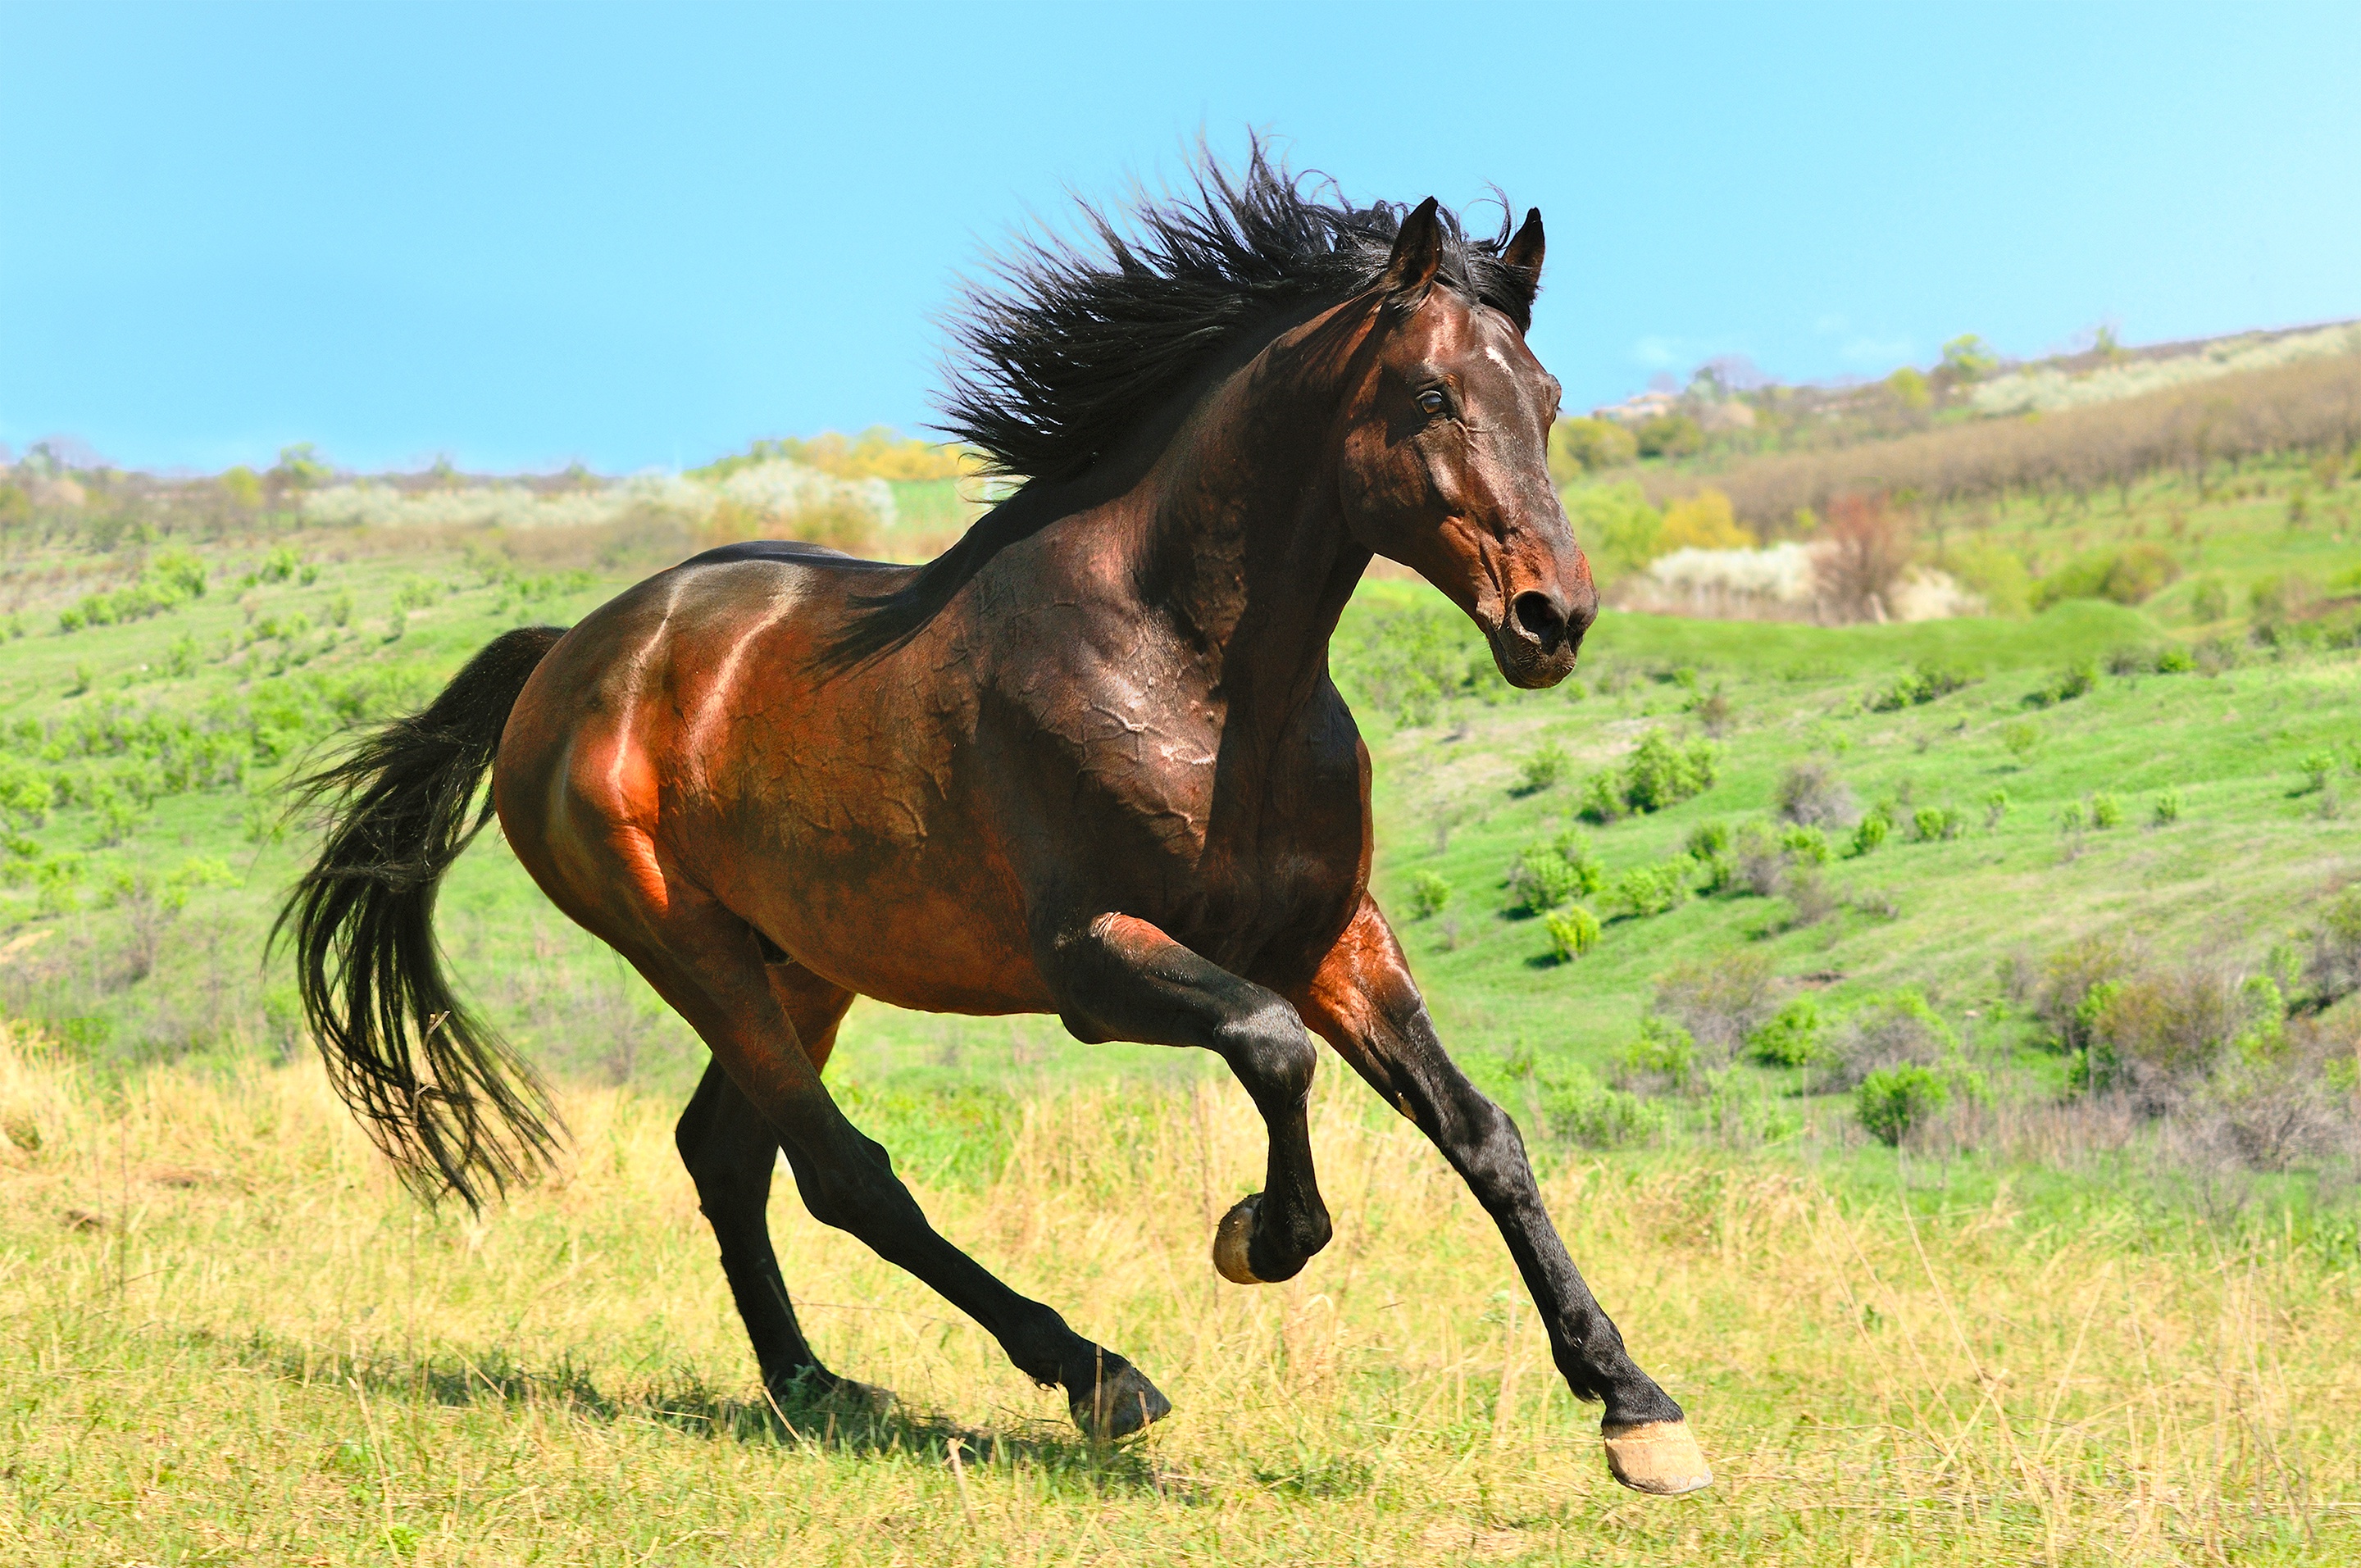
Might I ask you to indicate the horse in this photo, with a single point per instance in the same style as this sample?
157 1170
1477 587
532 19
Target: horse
1087 762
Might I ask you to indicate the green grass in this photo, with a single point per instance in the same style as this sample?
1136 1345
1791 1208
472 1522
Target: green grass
233 1340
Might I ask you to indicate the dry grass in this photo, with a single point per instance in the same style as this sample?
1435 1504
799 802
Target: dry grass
232 1340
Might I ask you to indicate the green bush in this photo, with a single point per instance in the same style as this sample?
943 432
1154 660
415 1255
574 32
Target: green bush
2132 574
1663 1054
1805 843
1931 824
1671 435
2020 736
1653 890
1542 770
1428 894
2175 660
2106 811
1923 684
1708 842
1572 931
1792 1036
1871 830
2316 768
1890 1100
2209 599
2168 808
2078 679
1546 875
1996 805
1657 774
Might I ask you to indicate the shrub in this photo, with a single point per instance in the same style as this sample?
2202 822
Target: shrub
1720 1001
1890 1100
1703 521
1804 844
2316 769
2209 599
1574 1107
1428 894
1871 830
1759 862
1661 1056
1542 770
2071 817
1546 875
1931 824
2075 680
2129 576
2153 1034
1793 1037
2168 808
2020 736
2175 660
1810 902
1657 774
1708 842
1995 809
1572 931
2070 977
1923 684
1894 1028
2334 969
2106 811
1653 890
1811 794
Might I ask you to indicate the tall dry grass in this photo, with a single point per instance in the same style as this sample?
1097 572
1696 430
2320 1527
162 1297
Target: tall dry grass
233 1340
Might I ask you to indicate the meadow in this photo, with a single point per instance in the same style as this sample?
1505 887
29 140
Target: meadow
2044 1321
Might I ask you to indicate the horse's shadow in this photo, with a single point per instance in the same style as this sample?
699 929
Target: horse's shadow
855 1422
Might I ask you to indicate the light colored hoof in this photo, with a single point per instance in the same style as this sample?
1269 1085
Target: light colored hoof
1658 1457
1230 1242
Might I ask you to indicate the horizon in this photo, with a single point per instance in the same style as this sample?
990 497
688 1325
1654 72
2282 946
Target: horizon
640 239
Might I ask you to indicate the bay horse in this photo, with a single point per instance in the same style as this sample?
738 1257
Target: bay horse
1088 761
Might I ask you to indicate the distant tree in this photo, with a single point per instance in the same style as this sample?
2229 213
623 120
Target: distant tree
1579 447
1863 550
300 468
1671 435
243 486
1969 358
1703 521
1909 389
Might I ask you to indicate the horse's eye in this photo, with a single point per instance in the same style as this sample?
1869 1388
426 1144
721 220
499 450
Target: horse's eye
1429 403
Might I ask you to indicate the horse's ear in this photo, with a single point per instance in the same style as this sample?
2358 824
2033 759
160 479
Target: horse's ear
1522 259
1418 252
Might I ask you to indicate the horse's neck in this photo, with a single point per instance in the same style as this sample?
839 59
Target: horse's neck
1246 545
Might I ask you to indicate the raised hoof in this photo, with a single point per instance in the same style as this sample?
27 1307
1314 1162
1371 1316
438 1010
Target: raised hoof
1230 1238
1657 1457
1123 1403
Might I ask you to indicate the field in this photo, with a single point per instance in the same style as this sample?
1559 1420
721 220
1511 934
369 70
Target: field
2020 1336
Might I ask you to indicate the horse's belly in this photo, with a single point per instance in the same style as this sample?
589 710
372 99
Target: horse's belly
918 932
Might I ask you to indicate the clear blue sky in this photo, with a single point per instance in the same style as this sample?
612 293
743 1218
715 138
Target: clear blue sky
643 234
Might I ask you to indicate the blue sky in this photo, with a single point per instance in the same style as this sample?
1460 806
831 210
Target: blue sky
641 235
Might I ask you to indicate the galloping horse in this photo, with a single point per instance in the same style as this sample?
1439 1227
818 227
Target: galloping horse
1088 761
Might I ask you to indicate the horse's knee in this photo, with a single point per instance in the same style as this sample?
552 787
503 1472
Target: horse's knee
1270 1052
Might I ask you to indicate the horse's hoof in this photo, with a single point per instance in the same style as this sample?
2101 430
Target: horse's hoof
1230 1238
1660 1457
1123 1403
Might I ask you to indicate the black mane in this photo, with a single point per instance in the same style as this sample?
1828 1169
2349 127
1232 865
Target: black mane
1066 352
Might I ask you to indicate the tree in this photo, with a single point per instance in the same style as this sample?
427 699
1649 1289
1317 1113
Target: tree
1909 389
1969 359
300 468
1579 447
1703 522
1671 435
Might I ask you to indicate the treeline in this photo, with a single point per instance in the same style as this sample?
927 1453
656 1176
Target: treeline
2313 405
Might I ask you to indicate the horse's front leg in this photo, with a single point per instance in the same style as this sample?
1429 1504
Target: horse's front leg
1117 978
1364 1002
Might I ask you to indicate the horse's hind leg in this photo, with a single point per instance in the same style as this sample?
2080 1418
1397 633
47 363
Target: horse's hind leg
730 1152
708 964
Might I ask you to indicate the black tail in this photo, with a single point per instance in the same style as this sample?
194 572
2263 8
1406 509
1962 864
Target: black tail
448 1100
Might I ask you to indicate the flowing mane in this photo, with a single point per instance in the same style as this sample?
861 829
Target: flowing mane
1063 352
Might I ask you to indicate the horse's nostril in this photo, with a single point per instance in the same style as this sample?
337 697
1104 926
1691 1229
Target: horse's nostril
1540 619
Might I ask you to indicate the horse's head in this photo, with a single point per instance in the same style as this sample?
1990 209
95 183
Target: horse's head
1447 457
